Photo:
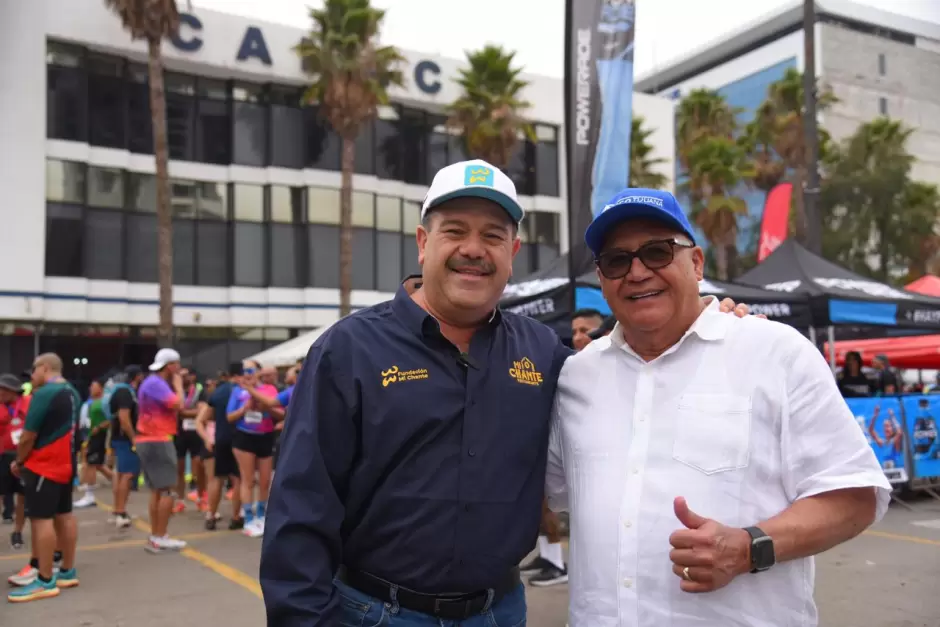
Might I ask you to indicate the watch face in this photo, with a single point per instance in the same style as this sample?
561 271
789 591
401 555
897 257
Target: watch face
762 553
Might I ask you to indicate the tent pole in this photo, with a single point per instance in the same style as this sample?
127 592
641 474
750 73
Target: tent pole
812 336
832 347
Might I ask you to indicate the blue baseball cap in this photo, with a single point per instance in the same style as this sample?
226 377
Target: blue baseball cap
635 202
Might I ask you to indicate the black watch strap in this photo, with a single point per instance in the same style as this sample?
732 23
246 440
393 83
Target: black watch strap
762 550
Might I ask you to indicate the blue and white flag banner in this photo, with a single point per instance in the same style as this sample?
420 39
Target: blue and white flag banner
880 419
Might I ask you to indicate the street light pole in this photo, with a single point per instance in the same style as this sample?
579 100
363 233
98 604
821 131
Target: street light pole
810 190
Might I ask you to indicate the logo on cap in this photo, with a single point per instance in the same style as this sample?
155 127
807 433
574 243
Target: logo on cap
652 201
478 175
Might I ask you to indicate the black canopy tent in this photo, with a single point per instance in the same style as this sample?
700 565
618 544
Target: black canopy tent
838 296
546 296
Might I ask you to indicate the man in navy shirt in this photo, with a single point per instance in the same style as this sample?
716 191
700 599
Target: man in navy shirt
412 467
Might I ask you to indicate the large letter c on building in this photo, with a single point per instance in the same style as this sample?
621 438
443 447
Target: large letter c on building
195 42
422 70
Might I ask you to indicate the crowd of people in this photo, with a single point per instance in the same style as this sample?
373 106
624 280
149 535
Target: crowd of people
134 429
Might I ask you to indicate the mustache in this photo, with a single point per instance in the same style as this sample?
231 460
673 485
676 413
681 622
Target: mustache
456 263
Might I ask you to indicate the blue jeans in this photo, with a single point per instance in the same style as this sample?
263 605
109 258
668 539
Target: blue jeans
360 610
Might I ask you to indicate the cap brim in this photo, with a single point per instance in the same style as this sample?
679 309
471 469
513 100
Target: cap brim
156 366
598 229
513 208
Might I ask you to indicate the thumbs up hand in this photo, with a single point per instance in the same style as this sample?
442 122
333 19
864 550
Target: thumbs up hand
706 555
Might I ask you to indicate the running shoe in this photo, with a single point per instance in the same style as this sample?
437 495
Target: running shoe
67 578
34 591
24 577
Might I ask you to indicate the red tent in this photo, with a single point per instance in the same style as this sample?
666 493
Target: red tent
915 352
927 284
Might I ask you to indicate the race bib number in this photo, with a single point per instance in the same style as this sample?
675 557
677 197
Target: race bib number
253 417
189 424
16 435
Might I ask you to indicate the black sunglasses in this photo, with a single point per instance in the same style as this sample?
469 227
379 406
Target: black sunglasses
615 264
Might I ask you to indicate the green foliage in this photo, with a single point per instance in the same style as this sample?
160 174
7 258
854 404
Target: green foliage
877 220
642 160
489 112
350 72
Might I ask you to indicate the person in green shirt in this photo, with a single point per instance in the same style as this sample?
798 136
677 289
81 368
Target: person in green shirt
95 447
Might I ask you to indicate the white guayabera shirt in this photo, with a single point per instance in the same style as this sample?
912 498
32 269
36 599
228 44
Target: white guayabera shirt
742 417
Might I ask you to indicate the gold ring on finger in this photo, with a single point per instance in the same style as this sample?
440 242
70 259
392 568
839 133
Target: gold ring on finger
685 574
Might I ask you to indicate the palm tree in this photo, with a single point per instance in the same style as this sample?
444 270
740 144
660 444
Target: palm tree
350 75
778 127
642 161
153 21
718 165
488 114
703 113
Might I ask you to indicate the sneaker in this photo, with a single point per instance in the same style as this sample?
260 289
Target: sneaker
7 520
155 547
229 493
67 578
551 576
34 591
171 543
255 529
534 566
16 540
193 496
86 501
179 507
25 577
236 524
122 521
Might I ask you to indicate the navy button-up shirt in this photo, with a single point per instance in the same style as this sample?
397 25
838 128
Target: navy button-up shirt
407 460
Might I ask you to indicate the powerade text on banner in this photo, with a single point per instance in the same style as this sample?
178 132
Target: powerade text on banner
922 414
880 420
598 112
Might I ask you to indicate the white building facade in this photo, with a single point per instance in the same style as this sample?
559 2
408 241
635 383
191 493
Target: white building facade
255 185
875 62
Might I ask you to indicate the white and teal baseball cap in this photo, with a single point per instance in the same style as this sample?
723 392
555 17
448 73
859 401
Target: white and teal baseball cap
474 179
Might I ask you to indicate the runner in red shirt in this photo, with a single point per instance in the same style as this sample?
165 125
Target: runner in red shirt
12 415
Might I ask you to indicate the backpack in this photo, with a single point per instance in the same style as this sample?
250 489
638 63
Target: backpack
109 389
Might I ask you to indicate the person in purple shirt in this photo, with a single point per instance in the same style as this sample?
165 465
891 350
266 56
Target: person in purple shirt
253 445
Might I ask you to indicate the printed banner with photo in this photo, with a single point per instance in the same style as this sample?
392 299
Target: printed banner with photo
880 421
921 413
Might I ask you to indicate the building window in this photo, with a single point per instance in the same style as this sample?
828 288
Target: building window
546 160
212 231
213 123
544 227
139 125
413 135
363 241
183 199
286 236
142 192
323 237
249 125
365 150
184 251
180 116
411 218
63 240
141 247
249 253
323 144
438 141
521 166
103 244
66 93
106 106
883 106
105 188
388 243
287 128
388 155
523 263
882 64
65 181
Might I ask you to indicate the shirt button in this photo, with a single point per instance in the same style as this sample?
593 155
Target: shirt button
627 524
467 507
471 452
627 583
636 471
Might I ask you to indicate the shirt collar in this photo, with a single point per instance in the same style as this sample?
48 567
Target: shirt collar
419 321
711 326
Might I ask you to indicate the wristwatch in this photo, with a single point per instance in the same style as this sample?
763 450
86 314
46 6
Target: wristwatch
762 550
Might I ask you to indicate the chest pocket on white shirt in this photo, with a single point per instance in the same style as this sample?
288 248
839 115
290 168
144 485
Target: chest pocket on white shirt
713 432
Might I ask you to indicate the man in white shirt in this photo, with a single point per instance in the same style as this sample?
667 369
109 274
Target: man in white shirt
706 458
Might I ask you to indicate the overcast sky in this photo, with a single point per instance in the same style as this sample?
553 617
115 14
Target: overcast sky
666 29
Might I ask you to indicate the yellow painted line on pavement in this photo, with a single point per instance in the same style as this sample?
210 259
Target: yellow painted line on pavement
901 537
231 573
120 544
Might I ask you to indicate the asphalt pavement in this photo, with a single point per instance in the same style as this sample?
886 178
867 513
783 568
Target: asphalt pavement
885 578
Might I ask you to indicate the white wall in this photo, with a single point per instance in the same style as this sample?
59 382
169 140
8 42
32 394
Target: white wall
26 294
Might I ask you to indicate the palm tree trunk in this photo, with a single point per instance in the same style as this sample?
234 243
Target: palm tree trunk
345 228
164 217
799 221
721 260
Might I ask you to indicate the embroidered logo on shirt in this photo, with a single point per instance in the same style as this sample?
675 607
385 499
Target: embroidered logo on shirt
524 371
394 375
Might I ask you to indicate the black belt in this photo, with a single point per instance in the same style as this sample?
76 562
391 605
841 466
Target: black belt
446 606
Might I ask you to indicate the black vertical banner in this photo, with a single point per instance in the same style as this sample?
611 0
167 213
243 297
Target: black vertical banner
598 113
